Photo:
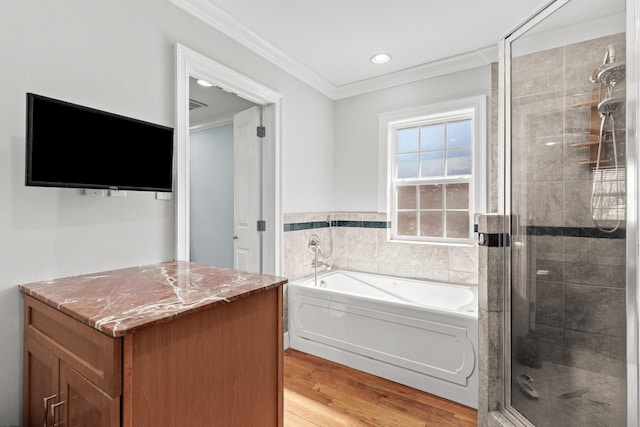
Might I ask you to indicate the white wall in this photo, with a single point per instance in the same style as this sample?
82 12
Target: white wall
117 56
211 198
356 130
308 169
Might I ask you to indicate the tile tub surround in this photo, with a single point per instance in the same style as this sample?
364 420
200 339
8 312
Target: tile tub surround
360 244
119 302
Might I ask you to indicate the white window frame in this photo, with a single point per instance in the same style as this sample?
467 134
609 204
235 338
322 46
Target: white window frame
474 108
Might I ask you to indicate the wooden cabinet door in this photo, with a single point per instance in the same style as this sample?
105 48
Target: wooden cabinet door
85 405
40 384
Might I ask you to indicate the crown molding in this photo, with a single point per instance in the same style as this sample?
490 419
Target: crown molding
219 19
465 61
230 26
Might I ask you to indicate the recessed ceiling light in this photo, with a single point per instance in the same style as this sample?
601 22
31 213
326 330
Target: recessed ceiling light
203 83
381 58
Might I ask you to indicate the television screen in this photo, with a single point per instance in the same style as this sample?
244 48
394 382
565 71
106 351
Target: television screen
69 145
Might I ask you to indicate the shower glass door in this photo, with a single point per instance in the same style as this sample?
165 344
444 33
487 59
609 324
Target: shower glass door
565 194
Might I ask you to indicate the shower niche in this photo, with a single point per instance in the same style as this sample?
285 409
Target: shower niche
565 194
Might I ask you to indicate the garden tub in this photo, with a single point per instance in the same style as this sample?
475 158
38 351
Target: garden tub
418 333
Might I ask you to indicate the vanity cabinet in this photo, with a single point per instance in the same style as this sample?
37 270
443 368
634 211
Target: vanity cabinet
41 370
174 344
56 394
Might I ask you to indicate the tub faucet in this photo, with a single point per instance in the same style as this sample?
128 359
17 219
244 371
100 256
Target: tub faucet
316 263
314 247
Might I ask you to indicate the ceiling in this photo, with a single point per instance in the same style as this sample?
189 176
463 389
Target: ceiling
217 104
328 43
336 38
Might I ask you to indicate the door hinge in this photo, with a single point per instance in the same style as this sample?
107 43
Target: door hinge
262 225
262 132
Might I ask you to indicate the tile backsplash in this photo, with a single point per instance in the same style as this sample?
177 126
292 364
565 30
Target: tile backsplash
358 241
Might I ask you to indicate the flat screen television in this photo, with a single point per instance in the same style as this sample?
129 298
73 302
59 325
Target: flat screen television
70 145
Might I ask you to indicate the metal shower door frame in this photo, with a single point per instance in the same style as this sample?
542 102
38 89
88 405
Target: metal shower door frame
633 160
633 183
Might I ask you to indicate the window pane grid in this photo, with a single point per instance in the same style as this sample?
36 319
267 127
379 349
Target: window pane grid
420 221
432 179
413 151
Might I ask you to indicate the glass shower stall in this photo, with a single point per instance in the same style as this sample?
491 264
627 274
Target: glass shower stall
569 192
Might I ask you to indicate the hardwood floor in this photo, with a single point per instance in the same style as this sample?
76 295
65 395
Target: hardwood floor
325 394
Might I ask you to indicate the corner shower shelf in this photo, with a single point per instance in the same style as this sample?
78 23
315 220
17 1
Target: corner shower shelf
593 162
594 130
587 144
591 103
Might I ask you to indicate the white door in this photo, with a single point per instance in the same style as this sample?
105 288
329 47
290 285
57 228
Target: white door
247 195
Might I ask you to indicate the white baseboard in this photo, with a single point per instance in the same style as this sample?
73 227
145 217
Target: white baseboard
286 340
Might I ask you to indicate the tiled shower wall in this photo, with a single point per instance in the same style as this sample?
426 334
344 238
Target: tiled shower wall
360 244
573 282
575 274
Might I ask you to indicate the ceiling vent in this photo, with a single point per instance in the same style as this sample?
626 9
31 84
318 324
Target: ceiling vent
193 104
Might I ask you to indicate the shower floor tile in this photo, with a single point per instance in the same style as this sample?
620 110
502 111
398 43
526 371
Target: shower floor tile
570 396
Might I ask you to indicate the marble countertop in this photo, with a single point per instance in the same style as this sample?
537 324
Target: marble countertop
119 302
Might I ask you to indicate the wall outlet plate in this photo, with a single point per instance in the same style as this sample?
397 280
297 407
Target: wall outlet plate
163 196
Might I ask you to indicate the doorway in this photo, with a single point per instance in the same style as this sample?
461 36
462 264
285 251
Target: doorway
191 64
211 174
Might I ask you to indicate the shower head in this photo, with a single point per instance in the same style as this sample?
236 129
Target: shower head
609 106
611 74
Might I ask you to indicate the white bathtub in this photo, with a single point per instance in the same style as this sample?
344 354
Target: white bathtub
421 334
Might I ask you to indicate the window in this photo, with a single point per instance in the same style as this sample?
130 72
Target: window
434 170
